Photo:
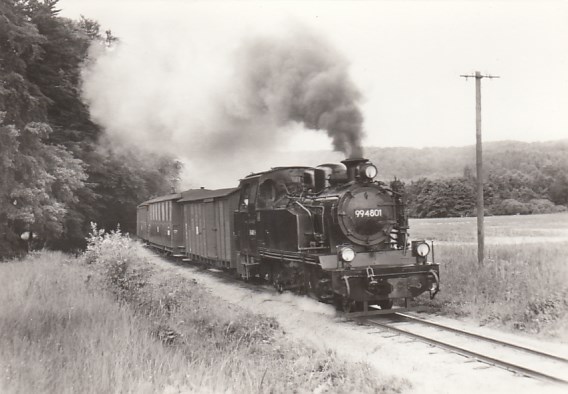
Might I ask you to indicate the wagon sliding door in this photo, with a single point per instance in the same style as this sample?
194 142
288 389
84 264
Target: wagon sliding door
210 230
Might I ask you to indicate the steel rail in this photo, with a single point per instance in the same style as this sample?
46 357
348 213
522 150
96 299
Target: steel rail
468 353
455 349
484 338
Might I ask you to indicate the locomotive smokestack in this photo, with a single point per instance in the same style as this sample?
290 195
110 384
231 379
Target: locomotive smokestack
352 166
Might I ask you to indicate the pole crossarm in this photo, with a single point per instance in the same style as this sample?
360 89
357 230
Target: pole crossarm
478 76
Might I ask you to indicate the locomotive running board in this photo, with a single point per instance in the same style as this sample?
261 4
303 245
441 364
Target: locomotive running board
374 312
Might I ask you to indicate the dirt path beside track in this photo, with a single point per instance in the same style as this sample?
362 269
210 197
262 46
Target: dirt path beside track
430 370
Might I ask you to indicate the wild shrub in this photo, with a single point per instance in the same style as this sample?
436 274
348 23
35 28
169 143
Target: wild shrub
521 286
544 310
114 256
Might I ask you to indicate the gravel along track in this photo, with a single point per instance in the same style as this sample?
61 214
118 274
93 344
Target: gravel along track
516 358
429 369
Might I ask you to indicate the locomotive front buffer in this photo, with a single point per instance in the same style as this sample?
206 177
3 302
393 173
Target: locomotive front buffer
367 281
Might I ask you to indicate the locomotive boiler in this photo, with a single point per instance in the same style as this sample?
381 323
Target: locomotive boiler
332 232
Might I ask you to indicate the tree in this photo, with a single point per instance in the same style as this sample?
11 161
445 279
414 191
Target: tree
511 207
559 190
38 182
20 44
55 177
122 180
57 74
441 198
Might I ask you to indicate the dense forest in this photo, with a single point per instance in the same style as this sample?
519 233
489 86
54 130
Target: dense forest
519 177
56 172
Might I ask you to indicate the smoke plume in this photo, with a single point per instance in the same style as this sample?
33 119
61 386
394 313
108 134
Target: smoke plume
236 104
301 78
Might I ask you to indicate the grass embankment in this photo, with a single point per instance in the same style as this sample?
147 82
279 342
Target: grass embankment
120 324
523 283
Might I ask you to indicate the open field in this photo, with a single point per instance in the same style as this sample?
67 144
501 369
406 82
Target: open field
71 327
523 284
498 229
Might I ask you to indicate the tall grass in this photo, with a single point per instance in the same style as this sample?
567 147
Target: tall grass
56 335
523 283
64 330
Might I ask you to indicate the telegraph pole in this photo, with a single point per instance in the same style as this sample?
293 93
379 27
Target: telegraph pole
479 163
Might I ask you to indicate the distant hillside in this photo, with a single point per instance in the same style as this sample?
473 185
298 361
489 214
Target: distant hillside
437 162
519 177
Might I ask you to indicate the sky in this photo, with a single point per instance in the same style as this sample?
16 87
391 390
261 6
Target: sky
405 57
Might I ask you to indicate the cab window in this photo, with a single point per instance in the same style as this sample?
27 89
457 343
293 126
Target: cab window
267 194
248 196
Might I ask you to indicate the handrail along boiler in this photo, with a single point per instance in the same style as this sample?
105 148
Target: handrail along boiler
333 232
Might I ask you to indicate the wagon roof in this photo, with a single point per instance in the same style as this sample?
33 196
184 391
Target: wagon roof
167 197
202 194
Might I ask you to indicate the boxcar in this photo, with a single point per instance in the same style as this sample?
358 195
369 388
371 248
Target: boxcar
164 229
208 220
142 221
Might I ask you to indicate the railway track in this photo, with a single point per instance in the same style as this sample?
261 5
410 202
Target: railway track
516 358
519 359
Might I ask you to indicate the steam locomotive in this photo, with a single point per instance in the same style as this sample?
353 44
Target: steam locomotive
331 232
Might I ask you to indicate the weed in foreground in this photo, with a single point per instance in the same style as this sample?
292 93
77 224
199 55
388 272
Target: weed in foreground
522 287
523 284
115 258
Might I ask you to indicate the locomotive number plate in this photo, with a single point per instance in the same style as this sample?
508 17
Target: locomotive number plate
368 213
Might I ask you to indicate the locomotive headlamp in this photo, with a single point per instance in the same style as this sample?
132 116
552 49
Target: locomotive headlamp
347 254
433 286
369 171
422 249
